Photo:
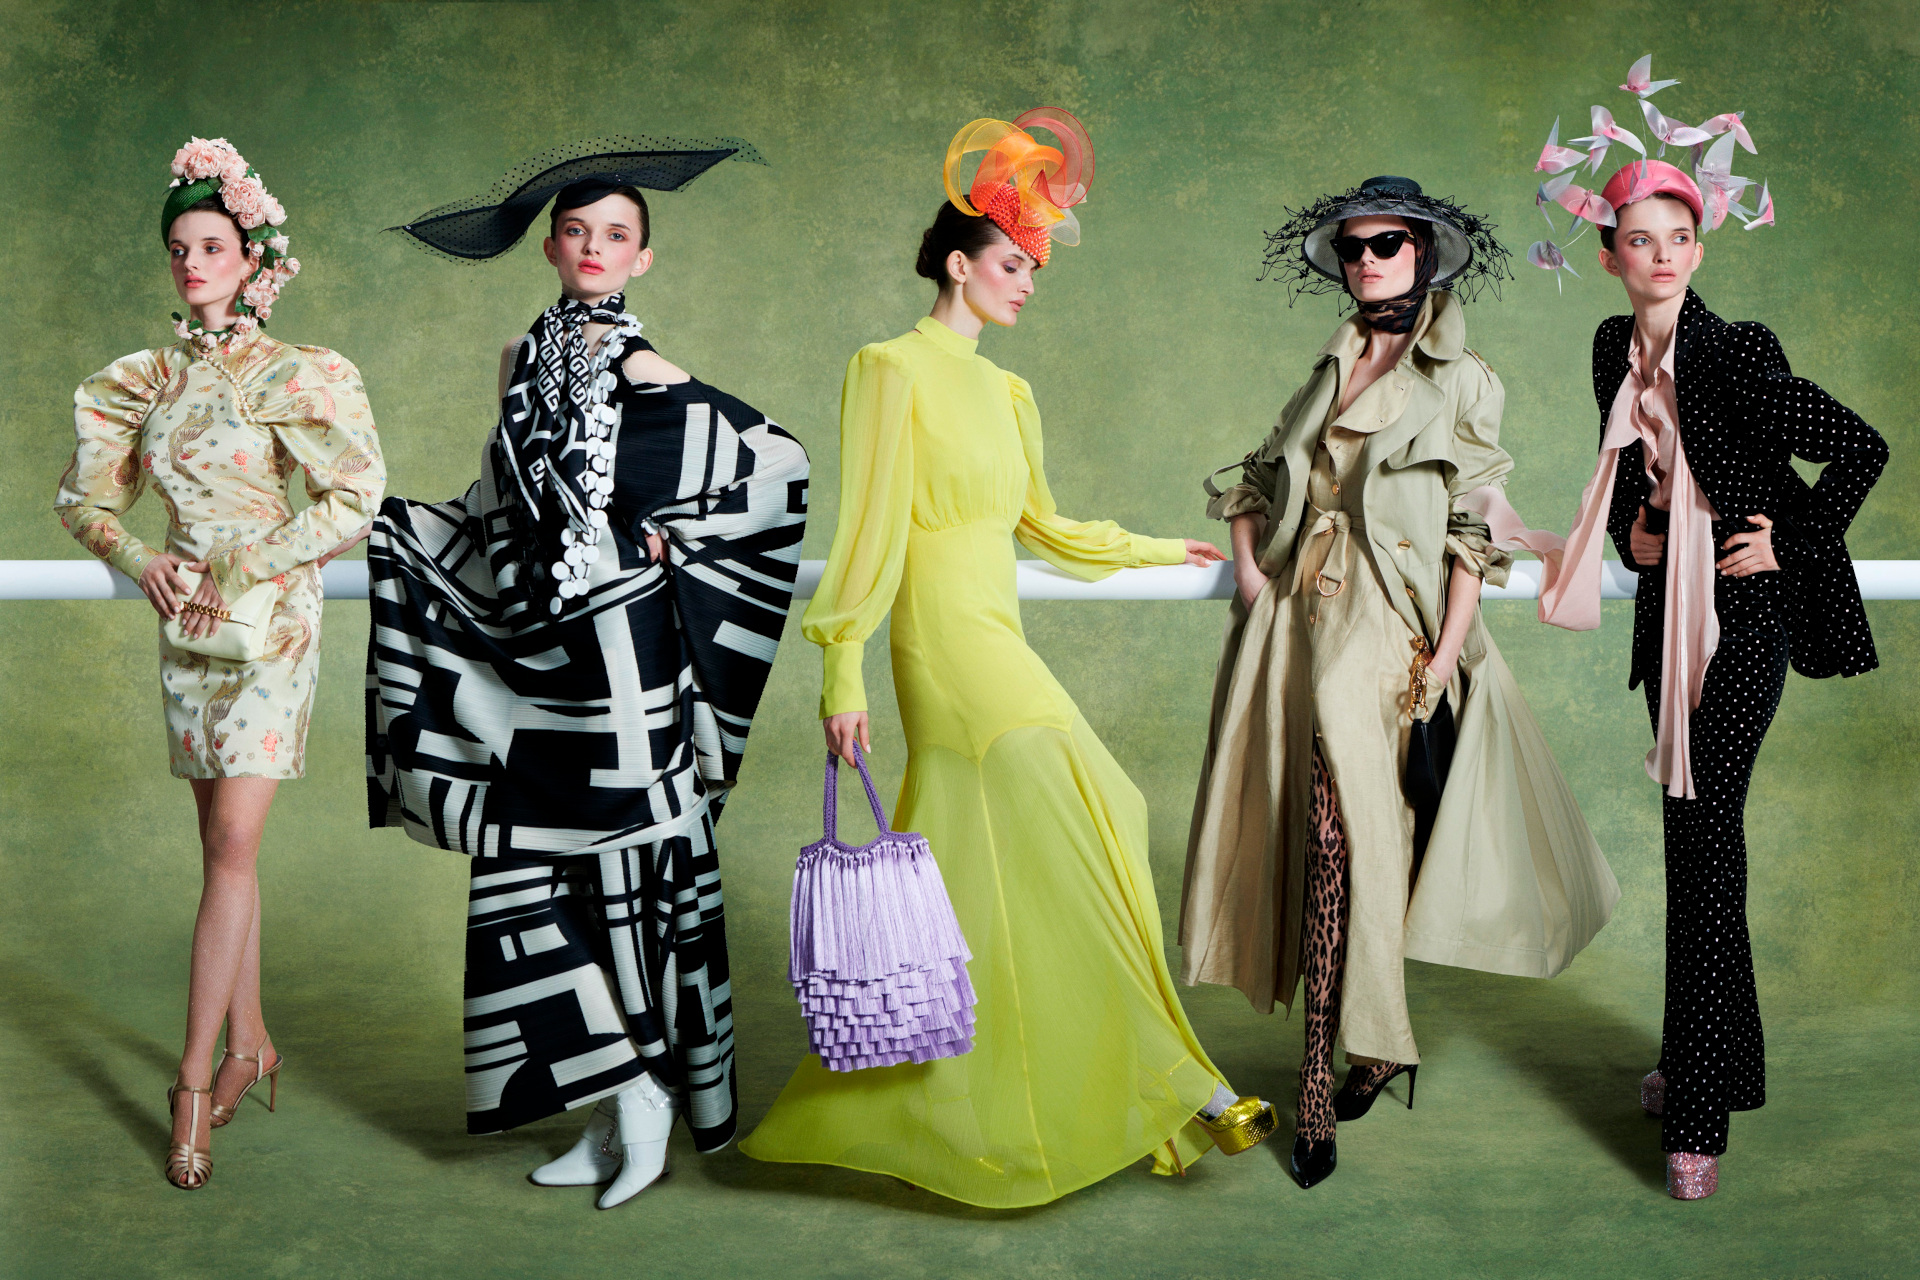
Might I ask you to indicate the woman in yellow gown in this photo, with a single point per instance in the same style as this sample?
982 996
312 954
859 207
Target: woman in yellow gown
1083 1060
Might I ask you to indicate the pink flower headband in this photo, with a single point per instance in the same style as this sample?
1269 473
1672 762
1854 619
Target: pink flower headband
211 166
1712 193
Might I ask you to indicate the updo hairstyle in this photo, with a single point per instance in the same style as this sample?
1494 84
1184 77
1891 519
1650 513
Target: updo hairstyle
952 230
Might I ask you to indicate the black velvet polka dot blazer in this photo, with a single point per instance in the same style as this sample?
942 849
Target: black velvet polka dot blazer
1742 415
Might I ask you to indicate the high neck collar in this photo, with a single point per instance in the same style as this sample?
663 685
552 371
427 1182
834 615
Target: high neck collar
947 340
202 344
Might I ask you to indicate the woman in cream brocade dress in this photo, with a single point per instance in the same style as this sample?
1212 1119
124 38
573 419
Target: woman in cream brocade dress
217 438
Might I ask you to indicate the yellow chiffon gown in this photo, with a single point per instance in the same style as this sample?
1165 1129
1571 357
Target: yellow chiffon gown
1083 1060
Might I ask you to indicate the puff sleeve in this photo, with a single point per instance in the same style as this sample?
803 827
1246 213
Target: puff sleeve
870 537
314 405
104 478
1086 549
1479 462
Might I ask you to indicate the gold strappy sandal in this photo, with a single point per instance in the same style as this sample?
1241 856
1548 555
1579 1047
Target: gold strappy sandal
222 1115
188 1168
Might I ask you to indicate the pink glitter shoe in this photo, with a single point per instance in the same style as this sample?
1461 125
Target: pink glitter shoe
1692 1177
1653 1092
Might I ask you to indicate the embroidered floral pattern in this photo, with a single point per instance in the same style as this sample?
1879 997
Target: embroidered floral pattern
218 439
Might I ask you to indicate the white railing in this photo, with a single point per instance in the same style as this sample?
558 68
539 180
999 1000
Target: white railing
347 580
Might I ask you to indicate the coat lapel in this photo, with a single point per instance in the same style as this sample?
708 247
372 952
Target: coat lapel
1442 341
1425 401
1303 432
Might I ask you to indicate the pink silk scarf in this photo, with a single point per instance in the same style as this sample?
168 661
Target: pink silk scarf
1570 589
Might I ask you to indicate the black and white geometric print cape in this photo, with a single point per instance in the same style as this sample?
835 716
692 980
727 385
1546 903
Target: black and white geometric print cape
498 728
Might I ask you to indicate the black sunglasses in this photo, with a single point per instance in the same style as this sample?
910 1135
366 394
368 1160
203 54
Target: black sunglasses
1385 245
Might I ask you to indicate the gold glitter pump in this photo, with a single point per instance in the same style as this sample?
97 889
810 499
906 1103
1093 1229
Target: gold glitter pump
1692 1177
1242 1126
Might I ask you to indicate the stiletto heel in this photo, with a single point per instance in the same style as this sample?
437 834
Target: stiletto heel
188 1167
1357 1095
223 1115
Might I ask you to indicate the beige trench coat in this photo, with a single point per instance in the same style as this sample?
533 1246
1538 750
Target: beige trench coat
1512 881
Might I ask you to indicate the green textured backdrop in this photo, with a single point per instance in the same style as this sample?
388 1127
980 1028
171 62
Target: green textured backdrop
1155 358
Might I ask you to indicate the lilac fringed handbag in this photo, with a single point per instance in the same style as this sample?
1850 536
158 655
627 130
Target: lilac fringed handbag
877 958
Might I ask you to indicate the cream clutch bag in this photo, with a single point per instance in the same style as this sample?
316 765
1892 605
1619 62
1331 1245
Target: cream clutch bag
242 635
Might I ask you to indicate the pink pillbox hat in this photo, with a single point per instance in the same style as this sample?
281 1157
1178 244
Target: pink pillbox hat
1644 178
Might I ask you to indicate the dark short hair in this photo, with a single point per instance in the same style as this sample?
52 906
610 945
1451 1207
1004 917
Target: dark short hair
1606 233
211 204
571 198
952 230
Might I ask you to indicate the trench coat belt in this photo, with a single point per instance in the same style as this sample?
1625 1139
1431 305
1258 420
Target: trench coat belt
1332 564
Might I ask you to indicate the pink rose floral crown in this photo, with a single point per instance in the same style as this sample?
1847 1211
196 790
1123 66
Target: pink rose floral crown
1712 192
211 166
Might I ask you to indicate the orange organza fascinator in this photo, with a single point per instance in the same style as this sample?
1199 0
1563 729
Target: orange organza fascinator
1026 188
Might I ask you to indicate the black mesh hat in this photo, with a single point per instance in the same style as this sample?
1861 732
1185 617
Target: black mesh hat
1301 252
489 224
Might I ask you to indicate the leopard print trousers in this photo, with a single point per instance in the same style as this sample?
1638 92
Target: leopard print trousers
1326 952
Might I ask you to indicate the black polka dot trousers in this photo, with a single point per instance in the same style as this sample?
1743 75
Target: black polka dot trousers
1712 1051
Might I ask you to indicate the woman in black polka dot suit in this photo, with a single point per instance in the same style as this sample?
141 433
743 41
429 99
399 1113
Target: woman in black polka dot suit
1783 592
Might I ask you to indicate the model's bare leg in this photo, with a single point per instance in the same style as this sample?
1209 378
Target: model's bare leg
233 813
250 1051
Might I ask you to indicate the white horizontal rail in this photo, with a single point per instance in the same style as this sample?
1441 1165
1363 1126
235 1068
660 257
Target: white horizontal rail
347 580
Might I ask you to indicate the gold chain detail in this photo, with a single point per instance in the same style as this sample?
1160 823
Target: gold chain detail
1417 677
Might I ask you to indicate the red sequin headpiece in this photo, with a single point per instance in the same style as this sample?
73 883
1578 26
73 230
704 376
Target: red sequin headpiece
1026 188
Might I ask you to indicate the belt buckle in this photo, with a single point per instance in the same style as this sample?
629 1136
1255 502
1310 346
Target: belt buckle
1320 585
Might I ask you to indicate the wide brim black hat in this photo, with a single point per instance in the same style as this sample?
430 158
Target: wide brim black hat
1467 256
489 224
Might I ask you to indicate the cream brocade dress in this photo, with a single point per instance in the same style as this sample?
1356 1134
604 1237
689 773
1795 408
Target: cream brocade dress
217 437
1083 1061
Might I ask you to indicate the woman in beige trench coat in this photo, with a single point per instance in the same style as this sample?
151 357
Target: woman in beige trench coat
1360 547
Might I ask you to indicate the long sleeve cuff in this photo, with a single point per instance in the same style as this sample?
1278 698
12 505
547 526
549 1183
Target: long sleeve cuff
1480 557
1470 543
1158 550
842 689
1239 500
131 556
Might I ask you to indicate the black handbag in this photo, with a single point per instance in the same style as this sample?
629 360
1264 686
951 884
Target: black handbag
1429 757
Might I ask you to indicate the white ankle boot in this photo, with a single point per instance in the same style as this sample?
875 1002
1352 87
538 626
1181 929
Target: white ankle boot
645 1119
586 1163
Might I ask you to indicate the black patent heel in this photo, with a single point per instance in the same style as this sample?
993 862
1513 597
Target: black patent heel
1355 1098
1312 1162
